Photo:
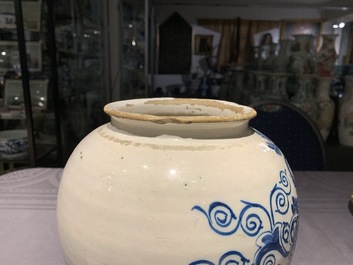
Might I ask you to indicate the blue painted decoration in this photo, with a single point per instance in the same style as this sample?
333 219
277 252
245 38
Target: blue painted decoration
269 143
273 238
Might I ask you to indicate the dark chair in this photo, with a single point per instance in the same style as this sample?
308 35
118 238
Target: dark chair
294 133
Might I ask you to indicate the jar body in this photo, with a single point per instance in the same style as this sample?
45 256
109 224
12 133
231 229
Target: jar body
127 199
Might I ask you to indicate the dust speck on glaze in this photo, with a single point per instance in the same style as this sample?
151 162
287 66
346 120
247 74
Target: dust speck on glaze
173 181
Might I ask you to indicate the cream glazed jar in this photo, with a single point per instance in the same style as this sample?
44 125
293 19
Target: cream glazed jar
177 181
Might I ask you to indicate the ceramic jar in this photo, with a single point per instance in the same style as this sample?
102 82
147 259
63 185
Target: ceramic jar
345 115
326 57
173 181
326 106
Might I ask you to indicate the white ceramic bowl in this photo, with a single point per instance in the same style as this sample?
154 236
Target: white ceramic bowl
13 142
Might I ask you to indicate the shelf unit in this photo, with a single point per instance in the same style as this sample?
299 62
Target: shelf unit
27 58
74 58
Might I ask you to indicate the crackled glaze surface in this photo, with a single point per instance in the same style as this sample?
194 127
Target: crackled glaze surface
138 191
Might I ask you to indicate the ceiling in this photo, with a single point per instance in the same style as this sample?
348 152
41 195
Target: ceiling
322 4
330 9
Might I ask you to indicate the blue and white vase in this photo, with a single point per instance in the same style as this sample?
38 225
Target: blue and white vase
172 181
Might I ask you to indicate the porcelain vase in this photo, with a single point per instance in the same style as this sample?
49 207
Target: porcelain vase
277 89
173 181
326 106
345 116
302 61
304 98
326 57
281 62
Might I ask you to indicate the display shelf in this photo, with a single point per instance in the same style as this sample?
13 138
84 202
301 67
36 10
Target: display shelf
27 84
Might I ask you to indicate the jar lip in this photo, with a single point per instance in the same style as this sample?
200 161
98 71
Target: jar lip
179 110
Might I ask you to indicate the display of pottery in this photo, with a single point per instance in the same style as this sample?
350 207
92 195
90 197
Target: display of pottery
300 76
345 116
172 181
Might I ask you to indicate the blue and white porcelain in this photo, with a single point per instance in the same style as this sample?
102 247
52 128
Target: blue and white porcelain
13 142
177 181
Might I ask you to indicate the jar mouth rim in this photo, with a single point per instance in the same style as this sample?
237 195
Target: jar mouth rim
179 110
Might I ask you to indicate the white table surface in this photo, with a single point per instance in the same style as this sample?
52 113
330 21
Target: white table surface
28 234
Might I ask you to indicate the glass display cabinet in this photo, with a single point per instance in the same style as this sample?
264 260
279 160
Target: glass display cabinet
54 78
29 132
81 29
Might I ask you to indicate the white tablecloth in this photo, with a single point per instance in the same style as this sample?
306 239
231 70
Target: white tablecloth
28 234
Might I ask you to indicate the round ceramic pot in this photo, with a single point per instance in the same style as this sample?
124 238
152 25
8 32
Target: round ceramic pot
177 181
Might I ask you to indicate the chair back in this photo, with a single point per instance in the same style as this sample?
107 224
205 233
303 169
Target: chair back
294 133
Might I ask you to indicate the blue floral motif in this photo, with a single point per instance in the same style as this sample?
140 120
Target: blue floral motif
272 237
290 173
269 143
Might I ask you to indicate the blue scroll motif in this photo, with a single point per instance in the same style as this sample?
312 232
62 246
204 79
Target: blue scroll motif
274 147
272 237
231 257
269 143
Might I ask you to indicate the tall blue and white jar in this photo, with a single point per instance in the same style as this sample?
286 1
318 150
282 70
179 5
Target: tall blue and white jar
173 181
